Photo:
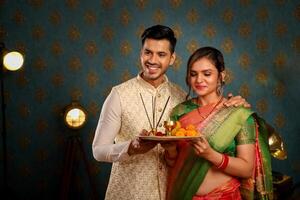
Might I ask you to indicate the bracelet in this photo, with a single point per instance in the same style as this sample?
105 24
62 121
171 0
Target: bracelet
224 162
167 156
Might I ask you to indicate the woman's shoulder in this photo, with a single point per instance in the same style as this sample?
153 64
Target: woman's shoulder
242 114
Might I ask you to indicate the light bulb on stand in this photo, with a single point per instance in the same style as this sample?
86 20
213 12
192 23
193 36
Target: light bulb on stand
13 61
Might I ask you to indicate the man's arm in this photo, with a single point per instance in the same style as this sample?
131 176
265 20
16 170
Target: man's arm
236 101
108 127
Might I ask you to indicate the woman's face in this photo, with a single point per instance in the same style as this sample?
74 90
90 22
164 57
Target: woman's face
204 77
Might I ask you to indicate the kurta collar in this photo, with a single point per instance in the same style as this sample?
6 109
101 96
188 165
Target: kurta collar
150 87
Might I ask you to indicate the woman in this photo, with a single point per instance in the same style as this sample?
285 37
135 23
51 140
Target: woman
231 155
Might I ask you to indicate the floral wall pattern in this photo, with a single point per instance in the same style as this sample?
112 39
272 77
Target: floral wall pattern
77 50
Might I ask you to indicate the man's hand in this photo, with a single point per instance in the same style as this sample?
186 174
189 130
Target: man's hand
170 147
236 101
138 146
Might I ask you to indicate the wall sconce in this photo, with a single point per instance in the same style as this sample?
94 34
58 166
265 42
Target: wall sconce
11 61
75 116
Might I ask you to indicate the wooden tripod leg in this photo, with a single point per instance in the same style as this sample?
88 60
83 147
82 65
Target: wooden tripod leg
88 170
68 169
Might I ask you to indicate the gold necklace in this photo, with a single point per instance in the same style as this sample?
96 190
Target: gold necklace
215 106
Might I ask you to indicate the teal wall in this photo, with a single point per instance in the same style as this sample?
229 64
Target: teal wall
77 50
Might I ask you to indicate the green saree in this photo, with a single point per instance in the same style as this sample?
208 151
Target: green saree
220 129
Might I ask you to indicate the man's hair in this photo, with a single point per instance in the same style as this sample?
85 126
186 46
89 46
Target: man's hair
160 32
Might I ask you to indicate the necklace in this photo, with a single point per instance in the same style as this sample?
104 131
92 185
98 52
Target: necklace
215 106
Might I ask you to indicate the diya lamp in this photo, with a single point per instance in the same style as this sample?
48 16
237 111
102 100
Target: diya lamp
169 125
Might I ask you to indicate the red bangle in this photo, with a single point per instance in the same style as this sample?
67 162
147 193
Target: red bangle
224 163
221 163
167 156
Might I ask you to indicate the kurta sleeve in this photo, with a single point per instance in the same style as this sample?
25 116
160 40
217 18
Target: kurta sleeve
104 148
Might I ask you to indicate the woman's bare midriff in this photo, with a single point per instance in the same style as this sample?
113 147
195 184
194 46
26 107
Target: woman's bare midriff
213 179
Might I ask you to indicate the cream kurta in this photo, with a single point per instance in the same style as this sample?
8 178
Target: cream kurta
140 176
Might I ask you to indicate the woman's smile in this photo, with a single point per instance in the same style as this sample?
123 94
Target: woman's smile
200 87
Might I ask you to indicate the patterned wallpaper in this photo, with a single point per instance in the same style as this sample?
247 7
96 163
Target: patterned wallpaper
77 50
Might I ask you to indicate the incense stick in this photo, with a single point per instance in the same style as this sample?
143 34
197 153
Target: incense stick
146 111
162 112
154 111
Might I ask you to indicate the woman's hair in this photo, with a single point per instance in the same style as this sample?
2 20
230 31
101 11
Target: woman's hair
213 54
160 32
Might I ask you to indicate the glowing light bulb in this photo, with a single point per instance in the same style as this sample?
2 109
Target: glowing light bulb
13 61
75 118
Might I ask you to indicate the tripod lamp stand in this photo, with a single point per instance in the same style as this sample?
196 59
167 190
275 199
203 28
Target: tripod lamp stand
9 61
75 118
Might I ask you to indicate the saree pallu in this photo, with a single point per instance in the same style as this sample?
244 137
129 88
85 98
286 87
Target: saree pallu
220 129
260 186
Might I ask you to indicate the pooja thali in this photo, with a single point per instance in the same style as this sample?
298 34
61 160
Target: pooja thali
169 138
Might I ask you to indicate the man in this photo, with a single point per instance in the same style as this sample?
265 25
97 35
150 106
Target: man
139 169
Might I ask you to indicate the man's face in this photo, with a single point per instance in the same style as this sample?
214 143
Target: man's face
155 59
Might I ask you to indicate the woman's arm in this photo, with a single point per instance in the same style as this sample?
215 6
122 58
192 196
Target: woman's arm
242 165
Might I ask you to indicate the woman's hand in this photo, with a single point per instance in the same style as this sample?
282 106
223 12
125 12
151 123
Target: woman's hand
202 147
236 101
241 165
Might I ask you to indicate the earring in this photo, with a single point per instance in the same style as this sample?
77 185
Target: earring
220 89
